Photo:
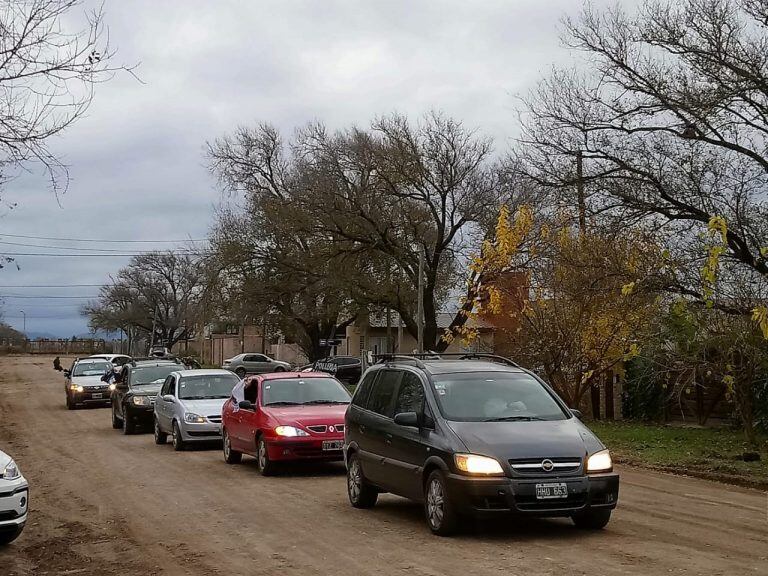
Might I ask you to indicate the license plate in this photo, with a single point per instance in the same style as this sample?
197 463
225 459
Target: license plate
549 491
96 396
333 445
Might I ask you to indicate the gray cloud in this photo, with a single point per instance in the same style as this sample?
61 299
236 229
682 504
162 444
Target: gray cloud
136 160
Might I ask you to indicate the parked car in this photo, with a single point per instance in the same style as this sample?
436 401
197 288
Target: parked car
84 384
243 364
284 417
135 388
116 359
14 500
189 406
473 437
345 368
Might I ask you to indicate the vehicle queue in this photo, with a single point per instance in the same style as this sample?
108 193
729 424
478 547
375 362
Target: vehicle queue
465 435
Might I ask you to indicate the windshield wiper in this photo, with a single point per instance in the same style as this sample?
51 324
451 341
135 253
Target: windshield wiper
513 418
283 404
326 402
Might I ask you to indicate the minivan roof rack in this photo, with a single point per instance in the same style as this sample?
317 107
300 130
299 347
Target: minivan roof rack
418 358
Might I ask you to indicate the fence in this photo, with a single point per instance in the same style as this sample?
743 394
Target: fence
65 347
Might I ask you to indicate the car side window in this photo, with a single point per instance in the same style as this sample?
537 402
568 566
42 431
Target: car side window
410 396
259 358
164 389
363 390
381 399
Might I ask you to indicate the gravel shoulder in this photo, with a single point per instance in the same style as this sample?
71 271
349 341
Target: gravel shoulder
104 504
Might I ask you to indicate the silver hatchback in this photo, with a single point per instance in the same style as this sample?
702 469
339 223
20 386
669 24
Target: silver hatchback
188 407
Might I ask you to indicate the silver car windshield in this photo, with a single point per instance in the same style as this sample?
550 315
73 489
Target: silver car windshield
494 397
207 387
92 368
296 391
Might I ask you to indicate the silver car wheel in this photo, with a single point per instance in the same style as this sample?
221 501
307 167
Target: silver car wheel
227 447
354 481
435 503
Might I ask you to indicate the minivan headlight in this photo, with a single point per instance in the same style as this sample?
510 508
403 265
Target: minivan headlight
600 462
478 465
11 471
290 431
193 418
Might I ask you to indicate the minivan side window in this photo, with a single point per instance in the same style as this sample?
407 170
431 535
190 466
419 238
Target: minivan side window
410 396
363 390
382 395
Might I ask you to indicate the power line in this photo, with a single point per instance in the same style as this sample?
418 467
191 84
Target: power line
110 240
37 296
89 249
110 255
52 286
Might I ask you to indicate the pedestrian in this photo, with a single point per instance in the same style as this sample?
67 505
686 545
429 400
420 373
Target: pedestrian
57 364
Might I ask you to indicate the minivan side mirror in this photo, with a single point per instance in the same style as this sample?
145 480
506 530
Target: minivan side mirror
407 419
67 373
168 398
577 413
246 404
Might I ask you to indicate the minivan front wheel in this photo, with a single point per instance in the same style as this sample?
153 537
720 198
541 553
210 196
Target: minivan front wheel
438 508
592 520
361 494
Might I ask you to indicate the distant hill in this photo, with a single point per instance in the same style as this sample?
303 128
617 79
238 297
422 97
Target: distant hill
41 336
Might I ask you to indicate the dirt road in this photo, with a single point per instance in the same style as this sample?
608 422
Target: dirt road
103 503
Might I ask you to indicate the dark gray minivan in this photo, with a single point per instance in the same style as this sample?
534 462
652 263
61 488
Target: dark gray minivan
474 435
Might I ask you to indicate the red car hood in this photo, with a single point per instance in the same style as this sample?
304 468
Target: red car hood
308 415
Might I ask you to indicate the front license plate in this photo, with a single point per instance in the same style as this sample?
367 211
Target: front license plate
96 396
333 445
550 491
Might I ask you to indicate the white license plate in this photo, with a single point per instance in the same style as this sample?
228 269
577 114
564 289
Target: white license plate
333 445
96 396
551 491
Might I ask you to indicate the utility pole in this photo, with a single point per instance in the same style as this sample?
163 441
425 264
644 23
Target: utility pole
24 314
580 193
420 309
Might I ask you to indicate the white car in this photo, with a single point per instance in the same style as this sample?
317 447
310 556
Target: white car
116 359
84 384
14 500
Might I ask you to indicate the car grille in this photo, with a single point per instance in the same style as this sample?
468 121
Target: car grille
216 418
9 515
339 427
534 466
320 429
96 389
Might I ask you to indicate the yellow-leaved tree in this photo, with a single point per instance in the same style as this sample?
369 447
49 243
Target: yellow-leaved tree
586 302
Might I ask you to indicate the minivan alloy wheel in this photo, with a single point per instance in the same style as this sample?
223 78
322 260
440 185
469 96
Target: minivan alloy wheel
354 480
435 503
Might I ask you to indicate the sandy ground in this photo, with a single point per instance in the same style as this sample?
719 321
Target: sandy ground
103 503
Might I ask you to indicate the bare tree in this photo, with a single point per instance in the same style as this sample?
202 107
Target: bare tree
157 294
671 120
47 78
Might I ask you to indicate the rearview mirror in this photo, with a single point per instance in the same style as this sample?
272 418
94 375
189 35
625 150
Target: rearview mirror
246 405
407 419
577 413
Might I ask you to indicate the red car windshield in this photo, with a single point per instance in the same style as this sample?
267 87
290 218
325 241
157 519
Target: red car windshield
298 391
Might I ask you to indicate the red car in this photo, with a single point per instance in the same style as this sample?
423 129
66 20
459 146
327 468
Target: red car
284 416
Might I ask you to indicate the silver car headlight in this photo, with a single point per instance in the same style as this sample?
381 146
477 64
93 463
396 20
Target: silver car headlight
11 471
193 418
141 400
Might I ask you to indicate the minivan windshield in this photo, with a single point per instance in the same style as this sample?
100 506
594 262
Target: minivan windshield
296 391
494 397
206 387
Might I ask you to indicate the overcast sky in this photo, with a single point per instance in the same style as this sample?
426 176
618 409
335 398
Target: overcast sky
137 162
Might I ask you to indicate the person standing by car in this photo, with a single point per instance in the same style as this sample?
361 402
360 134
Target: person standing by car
57 364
